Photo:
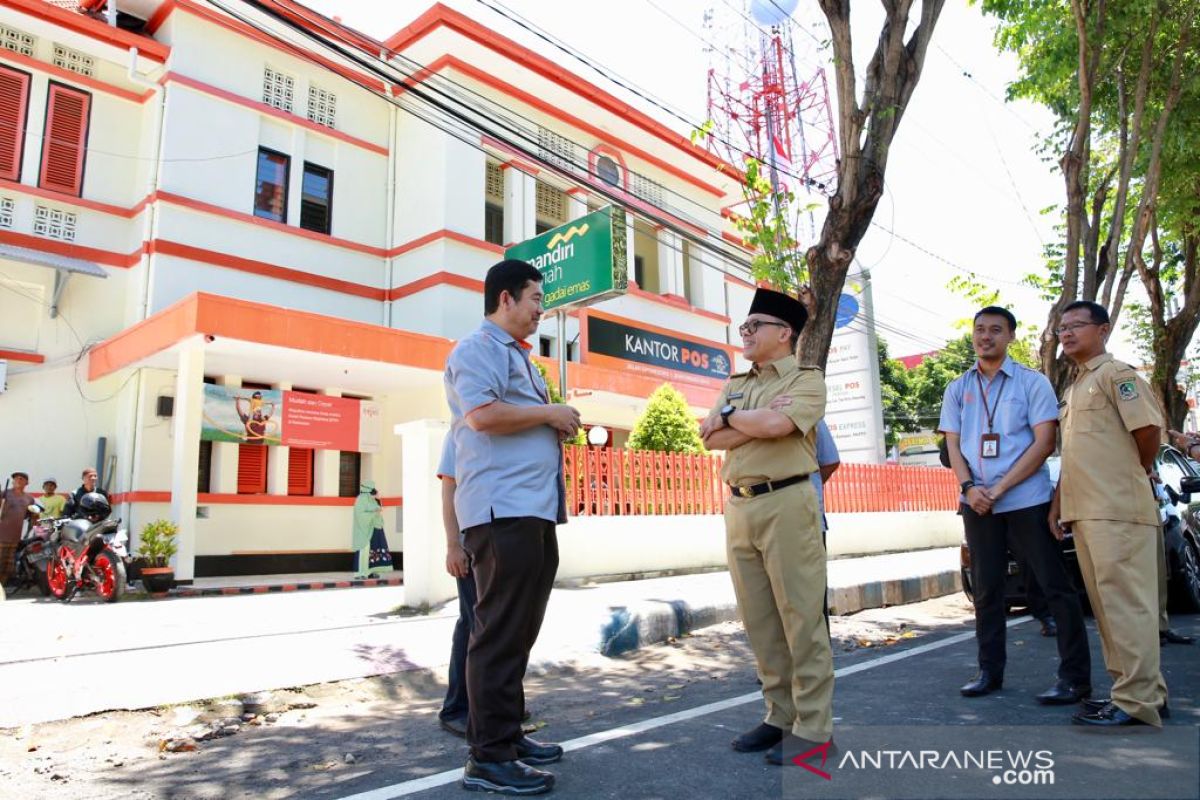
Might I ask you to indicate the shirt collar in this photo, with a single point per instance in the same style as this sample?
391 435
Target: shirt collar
501 335
1008 367
782 366
1096 361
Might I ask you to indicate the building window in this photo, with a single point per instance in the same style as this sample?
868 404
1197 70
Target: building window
608 171
252 469
322 106
300 471
278 89
316 199
14 110
17 41
7 208
65 141
73 60
639 270
54 223
349 473
270 187
493 207
204 473
572 351
545 346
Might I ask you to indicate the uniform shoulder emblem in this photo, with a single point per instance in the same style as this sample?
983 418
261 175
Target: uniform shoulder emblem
1127 389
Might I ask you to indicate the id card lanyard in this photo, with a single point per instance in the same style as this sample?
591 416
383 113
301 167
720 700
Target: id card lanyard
989 443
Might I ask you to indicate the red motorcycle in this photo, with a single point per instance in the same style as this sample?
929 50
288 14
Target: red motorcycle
90 552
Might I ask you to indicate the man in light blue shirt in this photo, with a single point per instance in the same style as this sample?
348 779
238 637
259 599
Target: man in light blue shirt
828 460
1000 420
509 497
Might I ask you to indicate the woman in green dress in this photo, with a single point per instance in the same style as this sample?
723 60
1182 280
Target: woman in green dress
369 541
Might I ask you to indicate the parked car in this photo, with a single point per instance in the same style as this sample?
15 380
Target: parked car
1179 511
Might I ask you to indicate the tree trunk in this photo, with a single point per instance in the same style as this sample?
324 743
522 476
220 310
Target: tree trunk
865 133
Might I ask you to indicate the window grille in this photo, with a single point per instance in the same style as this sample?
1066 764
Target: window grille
278 89
322 106
554 148
495 182
646 189
17 41
54 223
551 203
7 207
73 60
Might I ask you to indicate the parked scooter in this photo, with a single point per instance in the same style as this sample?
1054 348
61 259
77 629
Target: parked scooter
90 552
34 553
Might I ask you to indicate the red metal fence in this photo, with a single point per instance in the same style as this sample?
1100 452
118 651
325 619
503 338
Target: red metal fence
607 481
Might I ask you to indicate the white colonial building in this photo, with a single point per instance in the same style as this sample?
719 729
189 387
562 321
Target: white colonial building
271 202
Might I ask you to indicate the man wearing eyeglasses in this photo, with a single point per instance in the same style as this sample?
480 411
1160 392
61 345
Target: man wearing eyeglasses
999 419
773 526
1111 428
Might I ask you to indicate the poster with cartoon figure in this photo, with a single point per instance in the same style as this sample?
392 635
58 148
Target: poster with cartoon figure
245 416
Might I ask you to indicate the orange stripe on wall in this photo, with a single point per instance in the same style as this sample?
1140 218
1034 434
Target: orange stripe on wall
68 76
19 355
71 250
430 238
80 23
436 279
214 258
145 496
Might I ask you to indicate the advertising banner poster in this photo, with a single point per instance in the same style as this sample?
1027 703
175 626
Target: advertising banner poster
294 419
610 337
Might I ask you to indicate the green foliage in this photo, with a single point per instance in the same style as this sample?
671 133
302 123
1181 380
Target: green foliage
157 543
767 228
556 397
666 425
899 415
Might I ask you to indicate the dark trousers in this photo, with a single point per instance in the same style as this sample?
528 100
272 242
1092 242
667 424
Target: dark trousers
1026 532
1035 601
514 560
455 705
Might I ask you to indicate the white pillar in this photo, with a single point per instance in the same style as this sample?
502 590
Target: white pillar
425 576
325 465
277 459
670 262
224 467
185 457
520 205
577 203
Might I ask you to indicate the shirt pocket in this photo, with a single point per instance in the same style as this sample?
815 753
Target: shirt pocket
1014 415
1091 413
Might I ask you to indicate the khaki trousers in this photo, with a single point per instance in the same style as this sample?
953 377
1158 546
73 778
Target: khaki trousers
1164 620
1120 571
777 561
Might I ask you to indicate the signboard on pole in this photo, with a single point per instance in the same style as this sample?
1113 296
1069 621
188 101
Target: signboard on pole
653 350
582 262
854 406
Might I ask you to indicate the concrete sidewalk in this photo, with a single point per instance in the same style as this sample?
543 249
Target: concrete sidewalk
147 654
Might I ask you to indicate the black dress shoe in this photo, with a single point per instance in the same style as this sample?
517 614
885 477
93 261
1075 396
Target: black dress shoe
455 725
755 741
1049 627
1064 693
505 777
1111 716
792 746
1164 710
984 683
1172 637
534 752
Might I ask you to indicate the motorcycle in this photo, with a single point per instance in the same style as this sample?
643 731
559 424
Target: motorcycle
89 552
33 555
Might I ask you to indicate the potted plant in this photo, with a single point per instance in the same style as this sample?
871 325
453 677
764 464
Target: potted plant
155 548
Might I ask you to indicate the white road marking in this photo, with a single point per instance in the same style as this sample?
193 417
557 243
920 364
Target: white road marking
454 775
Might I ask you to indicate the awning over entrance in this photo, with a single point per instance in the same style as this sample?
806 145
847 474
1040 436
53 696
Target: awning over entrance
64 267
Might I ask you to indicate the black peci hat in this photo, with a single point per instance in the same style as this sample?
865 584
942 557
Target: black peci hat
778 304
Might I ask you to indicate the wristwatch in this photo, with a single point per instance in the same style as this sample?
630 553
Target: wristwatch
727 412
965 485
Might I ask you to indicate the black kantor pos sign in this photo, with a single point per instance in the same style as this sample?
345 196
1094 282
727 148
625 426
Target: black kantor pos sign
629 343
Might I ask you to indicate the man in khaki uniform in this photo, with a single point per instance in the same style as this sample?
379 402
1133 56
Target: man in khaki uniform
765 420
1111 428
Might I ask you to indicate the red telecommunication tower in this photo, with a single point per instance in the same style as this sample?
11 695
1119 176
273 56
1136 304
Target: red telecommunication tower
759 104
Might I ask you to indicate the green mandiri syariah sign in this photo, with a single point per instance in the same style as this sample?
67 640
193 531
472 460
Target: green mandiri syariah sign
582 262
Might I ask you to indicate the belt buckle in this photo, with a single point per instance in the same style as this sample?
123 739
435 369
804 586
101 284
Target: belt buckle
746 491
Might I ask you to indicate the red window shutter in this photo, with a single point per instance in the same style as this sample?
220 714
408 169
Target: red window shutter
300 471
252 469
65 141
14 105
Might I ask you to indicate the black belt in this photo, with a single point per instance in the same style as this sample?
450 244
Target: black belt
768 486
